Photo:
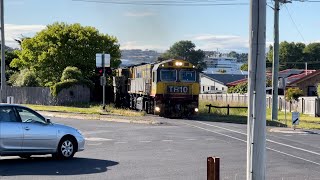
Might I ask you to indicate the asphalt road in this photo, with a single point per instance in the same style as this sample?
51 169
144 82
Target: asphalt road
177 149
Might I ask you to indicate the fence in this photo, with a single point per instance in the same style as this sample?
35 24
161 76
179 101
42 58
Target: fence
305 105
42 95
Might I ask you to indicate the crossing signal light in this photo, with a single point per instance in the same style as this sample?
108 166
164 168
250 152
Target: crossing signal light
108 71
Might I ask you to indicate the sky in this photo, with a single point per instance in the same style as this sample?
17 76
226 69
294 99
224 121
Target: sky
222 28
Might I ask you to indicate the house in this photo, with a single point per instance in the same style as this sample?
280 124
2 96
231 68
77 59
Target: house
307 82
217 83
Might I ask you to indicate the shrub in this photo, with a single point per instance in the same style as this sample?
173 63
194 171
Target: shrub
71 73
293 94
24 78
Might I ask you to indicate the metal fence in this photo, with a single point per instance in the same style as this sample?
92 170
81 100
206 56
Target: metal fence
305 105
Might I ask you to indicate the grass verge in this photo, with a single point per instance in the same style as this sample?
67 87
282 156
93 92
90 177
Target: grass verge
86 109
239 116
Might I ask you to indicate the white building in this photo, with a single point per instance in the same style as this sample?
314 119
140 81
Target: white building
217 83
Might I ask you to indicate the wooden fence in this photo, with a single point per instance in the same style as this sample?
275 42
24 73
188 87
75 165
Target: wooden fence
305 105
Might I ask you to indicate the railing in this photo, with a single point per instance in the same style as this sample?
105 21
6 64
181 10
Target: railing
228 108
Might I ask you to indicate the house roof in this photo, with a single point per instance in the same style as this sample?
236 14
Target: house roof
225 78
302 77
234 83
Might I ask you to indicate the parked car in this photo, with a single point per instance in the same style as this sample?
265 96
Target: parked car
24 132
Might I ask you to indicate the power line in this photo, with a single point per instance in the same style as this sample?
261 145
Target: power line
295 24
171 3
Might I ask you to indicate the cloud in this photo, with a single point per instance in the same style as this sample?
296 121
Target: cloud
221 42
13 31
139 14
141 45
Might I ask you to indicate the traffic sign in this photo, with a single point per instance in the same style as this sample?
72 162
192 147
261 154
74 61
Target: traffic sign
295 118
99 60
103 81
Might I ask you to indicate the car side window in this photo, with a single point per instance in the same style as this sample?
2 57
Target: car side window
7 114
28 116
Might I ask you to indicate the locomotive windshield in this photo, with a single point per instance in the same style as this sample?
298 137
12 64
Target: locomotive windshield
187 76
168 75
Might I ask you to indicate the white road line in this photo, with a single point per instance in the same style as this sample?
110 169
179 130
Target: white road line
221 128
94 144
121 142
167 140
268 140
97 139
297 157
294 156
216 132
145 141
190 139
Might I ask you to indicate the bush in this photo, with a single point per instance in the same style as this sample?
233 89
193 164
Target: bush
55 89
71 73
293 94
240 88
24 78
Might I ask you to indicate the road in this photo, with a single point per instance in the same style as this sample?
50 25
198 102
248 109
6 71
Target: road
176 149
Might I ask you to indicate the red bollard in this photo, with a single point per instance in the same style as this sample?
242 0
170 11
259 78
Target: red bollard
213 168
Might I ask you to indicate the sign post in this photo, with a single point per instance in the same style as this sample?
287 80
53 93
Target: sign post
295 119
103 60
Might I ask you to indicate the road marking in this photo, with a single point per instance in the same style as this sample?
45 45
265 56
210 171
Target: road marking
98 139
190 139
167 140
297 157
145 141
221 128
294 156
215 132
121 142
268 140
95 144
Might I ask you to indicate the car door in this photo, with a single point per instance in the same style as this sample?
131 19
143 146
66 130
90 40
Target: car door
38 135
11 134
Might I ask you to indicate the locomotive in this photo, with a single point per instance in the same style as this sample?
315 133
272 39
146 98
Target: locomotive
169 88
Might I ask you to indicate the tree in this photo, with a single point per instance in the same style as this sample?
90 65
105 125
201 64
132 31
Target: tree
289 53
186 51
61 45
244 67
312 53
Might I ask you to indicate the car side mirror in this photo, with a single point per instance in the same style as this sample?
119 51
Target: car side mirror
48 120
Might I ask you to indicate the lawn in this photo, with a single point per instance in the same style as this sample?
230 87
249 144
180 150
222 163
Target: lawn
240 116
86 109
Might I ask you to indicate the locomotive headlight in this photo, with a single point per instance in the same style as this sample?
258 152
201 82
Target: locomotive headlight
157 109
178 63
196 110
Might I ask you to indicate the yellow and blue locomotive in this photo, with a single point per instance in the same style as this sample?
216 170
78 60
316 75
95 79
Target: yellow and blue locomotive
169 88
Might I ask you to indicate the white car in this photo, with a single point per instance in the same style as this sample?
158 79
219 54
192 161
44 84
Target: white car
24 132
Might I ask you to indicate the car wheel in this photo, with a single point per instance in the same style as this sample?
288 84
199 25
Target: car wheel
25 156
66 149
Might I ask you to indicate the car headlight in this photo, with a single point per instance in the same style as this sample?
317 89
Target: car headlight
157 109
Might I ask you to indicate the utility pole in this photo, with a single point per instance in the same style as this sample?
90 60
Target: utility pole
256 137
104 83
275 64
3 70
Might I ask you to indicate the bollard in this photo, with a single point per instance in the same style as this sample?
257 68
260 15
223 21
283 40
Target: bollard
213 168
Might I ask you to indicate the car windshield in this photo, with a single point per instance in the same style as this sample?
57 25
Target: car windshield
187 76
168 75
